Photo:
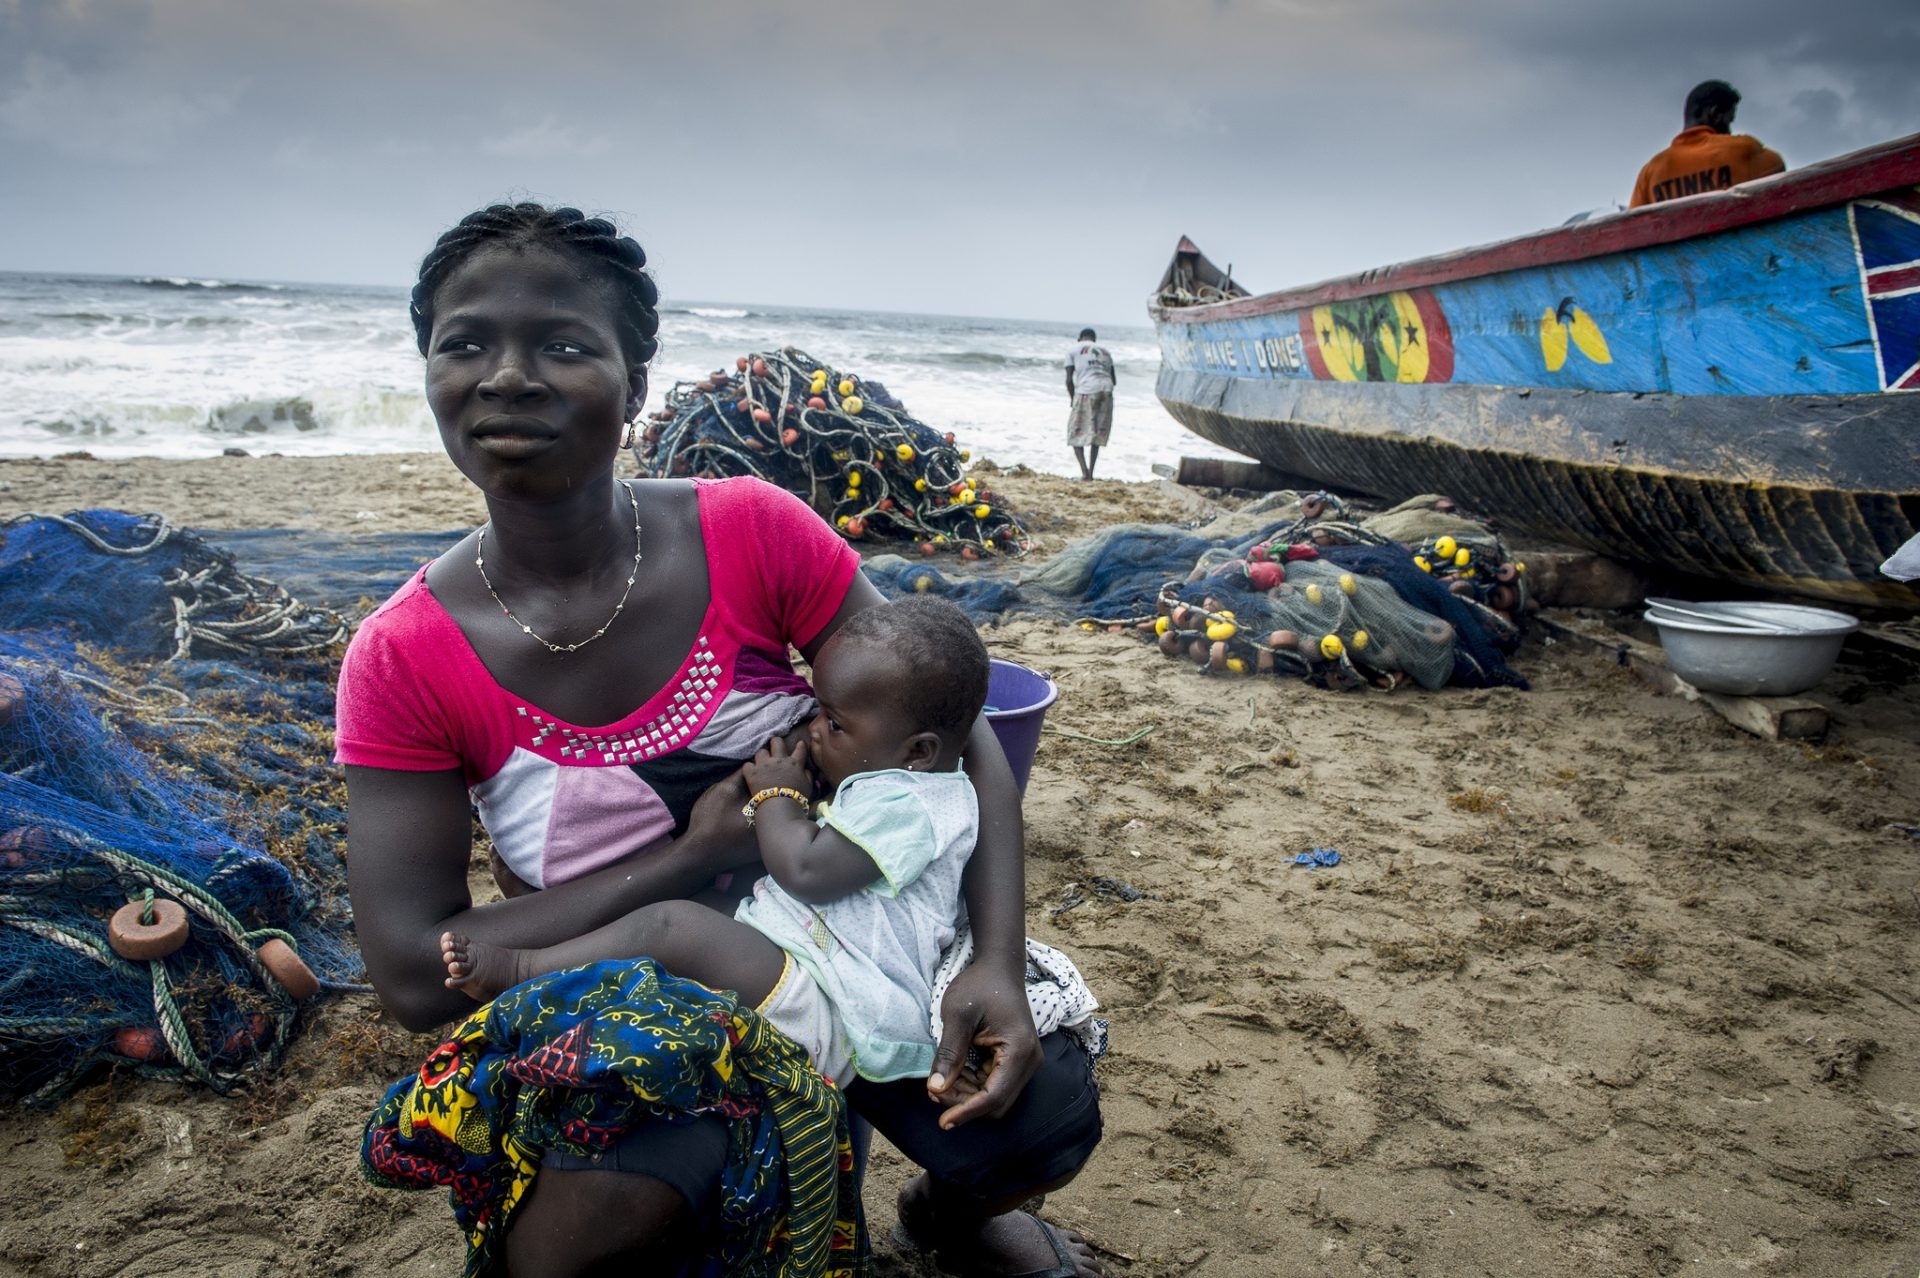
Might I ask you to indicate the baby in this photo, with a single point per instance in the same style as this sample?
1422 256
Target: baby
838 944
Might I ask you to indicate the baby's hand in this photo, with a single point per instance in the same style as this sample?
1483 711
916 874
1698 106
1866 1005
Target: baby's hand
776 767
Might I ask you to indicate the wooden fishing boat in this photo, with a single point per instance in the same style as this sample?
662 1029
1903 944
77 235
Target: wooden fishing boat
1726 385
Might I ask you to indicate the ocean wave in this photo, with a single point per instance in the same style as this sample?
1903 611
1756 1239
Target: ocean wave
263 416
965 359
181 281
709 312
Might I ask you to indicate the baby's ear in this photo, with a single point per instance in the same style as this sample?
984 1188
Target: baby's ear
922 752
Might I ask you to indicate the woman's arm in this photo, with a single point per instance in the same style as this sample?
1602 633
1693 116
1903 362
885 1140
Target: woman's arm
409 840
986 1006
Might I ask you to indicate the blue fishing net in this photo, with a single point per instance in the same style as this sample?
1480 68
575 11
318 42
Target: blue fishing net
131 766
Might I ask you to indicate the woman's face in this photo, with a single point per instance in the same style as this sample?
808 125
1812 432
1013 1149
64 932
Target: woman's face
525 374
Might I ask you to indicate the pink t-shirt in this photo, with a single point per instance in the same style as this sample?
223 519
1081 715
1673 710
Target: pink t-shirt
561 799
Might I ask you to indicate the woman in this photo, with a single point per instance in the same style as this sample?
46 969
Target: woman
588 669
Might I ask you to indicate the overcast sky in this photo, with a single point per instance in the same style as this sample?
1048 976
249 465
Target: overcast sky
1027 158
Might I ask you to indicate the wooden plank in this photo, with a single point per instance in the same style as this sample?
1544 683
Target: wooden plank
1886 167
1774 718
1218 472
1562 578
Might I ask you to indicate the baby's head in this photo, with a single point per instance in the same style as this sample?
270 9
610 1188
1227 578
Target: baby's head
900 686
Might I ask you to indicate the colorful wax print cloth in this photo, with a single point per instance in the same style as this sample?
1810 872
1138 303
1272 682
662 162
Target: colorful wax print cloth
574 1060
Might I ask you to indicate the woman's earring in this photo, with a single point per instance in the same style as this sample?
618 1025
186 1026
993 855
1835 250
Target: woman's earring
626 436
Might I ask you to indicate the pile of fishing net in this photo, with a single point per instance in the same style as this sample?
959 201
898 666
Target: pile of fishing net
1329 598
1293 585
171 884
842 443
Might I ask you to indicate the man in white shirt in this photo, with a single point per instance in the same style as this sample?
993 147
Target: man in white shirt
1090 386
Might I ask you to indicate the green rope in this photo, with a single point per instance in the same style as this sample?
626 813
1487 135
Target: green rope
173 1028
173 1025
93 947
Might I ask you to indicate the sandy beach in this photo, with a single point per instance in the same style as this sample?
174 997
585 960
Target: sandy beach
1602 985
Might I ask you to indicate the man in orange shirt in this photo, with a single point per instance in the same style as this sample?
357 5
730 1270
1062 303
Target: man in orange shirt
1707 156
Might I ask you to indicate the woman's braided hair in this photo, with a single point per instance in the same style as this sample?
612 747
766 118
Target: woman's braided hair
622 260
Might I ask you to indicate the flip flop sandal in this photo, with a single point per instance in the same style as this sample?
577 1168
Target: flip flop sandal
1063 1266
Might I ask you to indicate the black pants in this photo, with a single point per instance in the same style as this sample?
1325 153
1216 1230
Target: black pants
1050 1131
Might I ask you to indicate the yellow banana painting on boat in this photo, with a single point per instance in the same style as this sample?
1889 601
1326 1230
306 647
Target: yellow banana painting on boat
1568 323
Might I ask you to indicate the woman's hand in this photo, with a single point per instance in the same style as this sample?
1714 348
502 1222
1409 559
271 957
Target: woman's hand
717 831
985 1010
778 766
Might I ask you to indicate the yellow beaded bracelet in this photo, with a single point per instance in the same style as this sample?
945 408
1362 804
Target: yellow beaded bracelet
776 792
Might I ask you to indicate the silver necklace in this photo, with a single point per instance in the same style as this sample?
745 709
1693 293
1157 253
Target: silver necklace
480 562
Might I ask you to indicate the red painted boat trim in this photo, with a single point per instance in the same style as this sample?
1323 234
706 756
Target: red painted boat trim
1893 279
1887 167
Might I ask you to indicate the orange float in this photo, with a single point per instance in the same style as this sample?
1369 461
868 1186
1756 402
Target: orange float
140 1043
249 1034
24 844
144 932
289 969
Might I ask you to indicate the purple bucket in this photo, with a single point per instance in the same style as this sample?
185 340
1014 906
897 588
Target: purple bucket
1017 701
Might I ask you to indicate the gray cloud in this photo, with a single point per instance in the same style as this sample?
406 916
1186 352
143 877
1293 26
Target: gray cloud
1027 160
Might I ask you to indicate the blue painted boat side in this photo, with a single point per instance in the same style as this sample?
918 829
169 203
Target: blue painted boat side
1784 307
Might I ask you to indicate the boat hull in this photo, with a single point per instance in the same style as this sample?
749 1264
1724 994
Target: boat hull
1804 494
1726 385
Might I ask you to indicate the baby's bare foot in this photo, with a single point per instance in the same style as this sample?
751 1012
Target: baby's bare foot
481 970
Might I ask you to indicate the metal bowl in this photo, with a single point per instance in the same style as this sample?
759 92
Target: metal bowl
1744 662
